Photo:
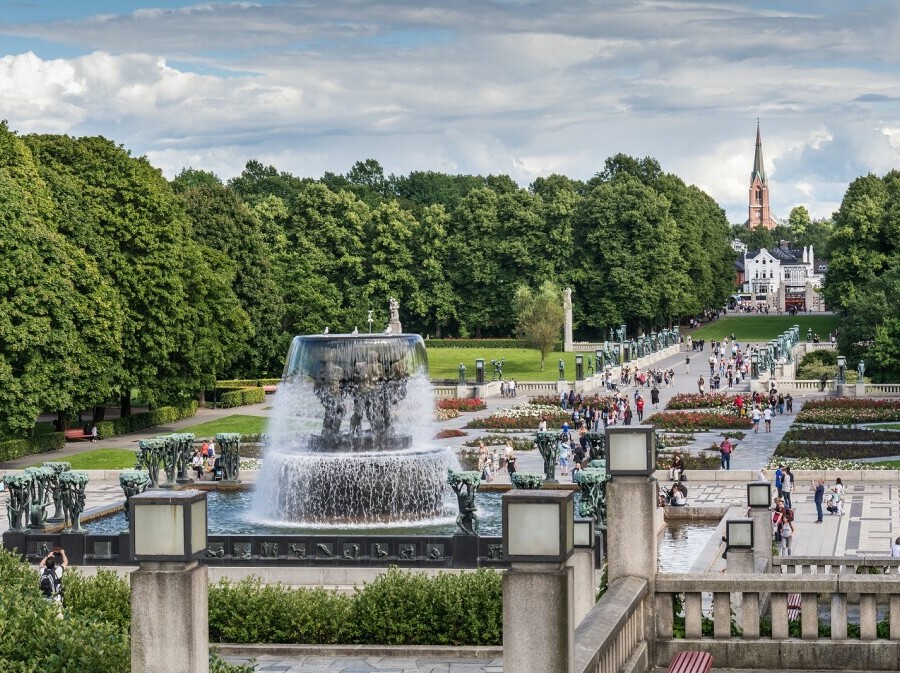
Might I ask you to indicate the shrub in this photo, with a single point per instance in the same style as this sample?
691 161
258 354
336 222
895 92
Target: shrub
28 446
447 434
462 404
33 638
148 419
482 343
518 443
247 383
242 397
695 420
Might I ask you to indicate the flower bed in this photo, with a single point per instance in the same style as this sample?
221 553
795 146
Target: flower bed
836 450
445 414
447 434
704 401
825 464
518 443
521 417
553 400
462 404
691 461
841 411
698 420
841 434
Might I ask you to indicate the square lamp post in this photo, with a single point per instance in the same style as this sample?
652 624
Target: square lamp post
630 451
759 494
538 526
842 369
479 371
739 534
584 533
754 365
169 591
579 368
168 527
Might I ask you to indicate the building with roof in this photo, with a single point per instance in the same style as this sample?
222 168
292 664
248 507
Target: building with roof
758 210
783 278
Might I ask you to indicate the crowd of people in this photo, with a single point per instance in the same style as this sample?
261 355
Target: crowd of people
205 461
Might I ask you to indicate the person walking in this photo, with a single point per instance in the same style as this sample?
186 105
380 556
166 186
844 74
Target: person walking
725 451
767 417
819 498
839 491
779 475
787 487
687 364
654 397
756 416
639 406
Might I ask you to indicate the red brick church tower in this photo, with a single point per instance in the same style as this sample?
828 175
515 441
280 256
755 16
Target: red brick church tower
759 191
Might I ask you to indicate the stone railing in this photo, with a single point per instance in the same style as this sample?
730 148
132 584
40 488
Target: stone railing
833 565
778 647
611 637
803 385
821 346
443 392
541 387
883 389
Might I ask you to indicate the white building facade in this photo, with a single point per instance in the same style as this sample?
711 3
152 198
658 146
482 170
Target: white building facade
784 278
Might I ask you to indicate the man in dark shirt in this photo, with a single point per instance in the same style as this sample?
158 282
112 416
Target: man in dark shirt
819 497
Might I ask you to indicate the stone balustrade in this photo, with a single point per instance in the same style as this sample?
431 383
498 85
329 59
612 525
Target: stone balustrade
737 600
611 637
833 565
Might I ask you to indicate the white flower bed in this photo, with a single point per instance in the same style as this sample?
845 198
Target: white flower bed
824 464
528 411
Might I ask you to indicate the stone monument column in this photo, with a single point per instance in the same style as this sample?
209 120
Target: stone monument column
568 346
394 326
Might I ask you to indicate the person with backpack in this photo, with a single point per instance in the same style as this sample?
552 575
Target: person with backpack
787 530
51 570
725 451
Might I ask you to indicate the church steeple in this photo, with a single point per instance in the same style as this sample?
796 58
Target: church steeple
759 168
758 210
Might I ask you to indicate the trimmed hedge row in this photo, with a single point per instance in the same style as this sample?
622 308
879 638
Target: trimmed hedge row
28 446
242 397
148 419
247 383
483 343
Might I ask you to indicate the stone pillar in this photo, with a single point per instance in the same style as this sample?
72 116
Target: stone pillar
631 542
568 344
860 389
539 618
762 535
740 560
169 618
585 578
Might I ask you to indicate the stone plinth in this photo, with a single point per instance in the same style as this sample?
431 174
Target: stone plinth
582 563
538 619
169 618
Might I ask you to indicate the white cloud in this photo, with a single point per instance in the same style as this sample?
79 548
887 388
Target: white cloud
522 88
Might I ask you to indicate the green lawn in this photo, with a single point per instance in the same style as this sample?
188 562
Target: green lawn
521 364
886 426
765 327
245 425
101 459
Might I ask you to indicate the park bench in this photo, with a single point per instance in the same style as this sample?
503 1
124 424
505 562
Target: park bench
691 662
793 604
270 389
78 435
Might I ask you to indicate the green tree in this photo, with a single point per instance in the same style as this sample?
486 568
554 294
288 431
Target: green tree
123 213
799 220
60 325
221 221
539 316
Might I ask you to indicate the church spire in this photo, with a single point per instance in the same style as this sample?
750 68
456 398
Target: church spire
759 168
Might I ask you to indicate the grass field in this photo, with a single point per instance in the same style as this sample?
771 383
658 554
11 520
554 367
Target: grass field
245 425
755 328
101 459
521 364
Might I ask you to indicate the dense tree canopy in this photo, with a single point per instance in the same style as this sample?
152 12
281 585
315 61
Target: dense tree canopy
123 281
863 277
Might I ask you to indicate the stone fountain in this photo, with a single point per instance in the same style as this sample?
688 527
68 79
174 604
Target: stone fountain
349 439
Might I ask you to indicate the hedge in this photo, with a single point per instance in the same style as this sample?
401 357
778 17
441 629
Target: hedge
148 419
247 383
242 397
483 343
28 446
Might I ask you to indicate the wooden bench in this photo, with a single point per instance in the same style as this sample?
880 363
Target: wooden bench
793 604
691 662
78 435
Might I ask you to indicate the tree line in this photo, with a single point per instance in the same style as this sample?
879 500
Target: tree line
118 280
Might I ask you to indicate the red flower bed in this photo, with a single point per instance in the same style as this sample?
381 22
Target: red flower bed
696 420
553 400
705 401
462 404
447 434
842 411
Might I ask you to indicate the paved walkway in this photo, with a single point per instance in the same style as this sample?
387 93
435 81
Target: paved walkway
303 664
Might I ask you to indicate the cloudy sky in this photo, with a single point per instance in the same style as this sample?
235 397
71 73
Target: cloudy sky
522 87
